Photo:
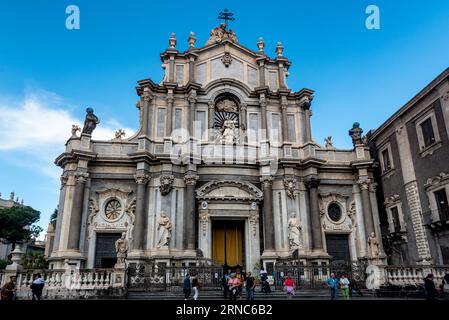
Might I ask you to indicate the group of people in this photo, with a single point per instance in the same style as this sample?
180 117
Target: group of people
8 291
233 283
430 290
346 286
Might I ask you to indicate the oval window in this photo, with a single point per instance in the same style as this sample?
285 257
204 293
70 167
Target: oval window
334 212
113 209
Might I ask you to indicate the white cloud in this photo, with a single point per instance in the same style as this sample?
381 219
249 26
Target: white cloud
39 126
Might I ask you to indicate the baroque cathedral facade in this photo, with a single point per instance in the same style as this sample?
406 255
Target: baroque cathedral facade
223 169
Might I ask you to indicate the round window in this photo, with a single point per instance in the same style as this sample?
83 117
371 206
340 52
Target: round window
113 209
334 212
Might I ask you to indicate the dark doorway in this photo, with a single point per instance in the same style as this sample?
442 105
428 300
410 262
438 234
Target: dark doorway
105 255
338 247
228 242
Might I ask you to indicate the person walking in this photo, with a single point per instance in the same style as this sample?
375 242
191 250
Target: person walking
196 287
9 289
289 287
37 286
431 293
250 285
225 281
234 284
186 287
344 287
241 278
354 288
332 283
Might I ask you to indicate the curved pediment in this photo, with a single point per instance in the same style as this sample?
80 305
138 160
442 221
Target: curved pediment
229 190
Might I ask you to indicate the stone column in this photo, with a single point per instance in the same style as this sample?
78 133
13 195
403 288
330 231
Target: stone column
191 69
263 116
261 73
146 98
268 219
190 203
77 211
281 75
315 224
140 213
366 207
171 74
308 114
192 98
211 114
169 120
284 105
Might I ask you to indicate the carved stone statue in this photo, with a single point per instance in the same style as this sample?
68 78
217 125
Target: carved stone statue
121 248
119 134
328 143
373 246
91 121
164 228
166 184
228 135
227 105
294 232
75 129
356 133
220 33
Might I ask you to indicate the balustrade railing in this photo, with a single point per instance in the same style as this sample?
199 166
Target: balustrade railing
413 276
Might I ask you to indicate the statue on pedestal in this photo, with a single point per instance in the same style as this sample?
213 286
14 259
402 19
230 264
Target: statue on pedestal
294 232
90 122
356 133
121 248
229 134
373 246
164 228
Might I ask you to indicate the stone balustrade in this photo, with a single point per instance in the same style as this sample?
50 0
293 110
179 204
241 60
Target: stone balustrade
71 283
413 276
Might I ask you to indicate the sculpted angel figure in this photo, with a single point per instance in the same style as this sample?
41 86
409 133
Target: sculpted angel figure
294 232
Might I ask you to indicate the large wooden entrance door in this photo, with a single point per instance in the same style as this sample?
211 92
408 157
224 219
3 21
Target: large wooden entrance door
338 247
228 243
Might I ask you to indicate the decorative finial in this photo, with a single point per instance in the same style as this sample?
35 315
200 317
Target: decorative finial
279 49
328 143
172 41
75 129
17 199
226 15
119 134
192 40
261 45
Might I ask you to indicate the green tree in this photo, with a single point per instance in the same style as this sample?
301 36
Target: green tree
34 260
54 217
17 223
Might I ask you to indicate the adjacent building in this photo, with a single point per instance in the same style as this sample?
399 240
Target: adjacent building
412 150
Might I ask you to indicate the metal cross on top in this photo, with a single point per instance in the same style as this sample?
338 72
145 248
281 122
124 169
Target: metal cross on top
226 15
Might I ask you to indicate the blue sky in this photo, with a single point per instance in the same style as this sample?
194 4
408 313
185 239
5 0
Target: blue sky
49 74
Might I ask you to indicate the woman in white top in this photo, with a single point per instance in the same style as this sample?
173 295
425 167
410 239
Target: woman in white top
344 287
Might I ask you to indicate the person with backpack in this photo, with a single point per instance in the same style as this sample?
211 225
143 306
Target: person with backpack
37 286
186 287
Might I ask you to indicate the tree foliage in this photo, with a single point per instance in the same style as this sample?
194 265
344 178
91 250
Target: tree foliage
17 223
54 217
34 260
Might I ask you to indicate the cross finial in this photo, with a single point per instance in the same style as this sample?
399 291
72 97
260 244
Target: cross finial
226 15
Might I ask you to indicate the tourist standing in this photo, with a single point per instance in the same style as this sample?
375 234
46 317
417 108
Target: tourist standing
9 289
196 287
186 287
265 287
332 283
37 286
445 287
431 293
250 285
289 287
241 278
225 281
234 284
344 287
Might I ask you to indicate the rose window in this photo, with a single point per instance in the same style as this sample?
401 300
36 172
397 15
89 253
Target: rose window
113 209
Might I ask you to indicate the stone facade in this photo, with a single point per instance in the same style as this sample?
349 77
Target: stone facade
221 138
412 149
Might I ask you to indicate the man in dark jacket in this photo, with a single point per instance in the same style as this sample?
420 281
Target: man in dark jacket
186 287
429 286
9 289
37 286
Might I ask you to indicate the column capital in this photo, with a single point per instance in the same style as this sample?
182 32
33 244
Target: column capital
81 177
243 106
147 96
191 179
211 104
64 178
263 100
192 97
170 98
267 181
142 178
364 184
312 183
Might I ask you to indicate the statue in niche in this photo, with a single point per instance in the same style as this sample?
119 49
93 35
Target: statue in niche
91 121
373 246
294 232
121 248
164 228
228 135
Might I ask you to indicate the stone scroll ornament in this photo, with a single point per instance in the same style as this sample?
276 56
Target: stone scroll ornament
91 121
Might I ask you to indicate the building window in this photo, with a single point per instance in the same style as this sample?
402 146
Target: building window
275 134
334 212
200 124
427 132
160 126
180 74
253 132
291 128
113 209
395 218
386 160
442 204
